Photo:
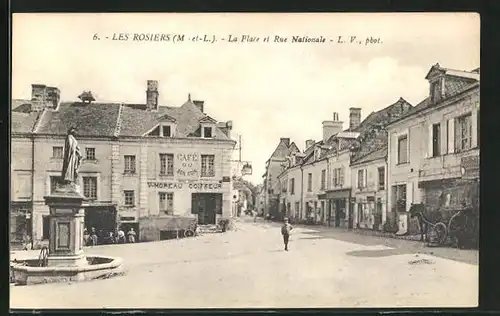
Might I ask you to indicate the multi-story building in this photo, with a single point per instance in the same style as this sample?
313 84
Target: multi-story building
434 149
144 164
271 183
369 167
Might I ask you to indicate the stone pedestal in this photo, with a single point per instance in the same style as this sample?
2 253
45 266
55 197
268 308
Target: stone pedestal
66 227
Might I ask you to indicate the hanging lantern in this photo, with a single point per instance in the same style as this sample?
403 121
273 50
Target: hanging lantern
247 169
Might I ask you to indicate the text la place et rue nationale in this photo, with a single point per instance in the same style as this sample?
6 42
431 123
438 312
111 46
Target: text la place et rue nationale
205 38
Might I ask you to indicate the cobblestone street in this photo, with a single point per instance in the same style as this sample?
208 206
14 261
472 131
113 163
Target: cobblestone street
248 268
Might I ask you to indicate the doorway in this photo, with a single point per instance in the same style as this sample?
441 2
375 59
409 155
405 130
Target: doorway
206 206
102 218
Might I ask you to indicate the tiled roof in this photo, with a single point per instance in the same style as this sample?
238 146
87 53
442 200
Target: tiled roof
21 106
101 119
426 103
281 151
23 122
380 153
94 119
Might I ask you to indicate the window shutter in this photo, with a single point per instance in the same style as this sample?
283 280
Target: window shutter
430 143
341 171
451 136
365 177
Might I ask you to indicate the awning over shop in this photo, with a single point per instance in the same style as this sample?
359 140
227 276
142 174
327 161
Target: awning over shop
338 194
322 196
438 183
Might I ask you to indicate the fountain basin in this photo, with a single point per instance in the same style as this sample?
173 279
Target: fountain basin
27 272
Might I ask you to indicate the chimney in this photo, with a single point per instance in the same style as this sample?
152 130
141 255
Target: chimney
199 104
309 143
44 97
226 127
86 97
53 97
152 95
38 97
354 118
286 141
332 127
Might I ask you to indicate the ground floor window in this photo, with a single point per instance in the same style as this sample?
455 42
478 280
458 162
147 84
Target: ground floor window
46 227
166 202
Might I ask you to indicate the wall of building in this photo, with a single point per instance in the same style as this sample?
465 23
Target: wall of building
296 197
311 199
370 195
21 169
422 166
46 166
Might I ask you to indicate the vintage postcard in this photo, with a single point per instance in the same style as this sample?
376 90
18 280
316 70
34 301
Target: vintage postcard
244 160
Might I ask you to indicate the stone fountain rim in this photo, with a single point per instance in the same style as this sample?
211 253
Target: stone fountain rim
115 262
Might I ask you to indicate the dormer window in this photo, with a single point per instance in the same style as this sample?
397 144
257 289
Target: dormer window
207 125
162 130
165 127
167 130
207 132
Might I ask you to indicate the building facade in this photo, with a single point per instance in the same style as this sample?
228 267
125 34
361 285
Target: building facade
369 179
434 150
144 164
271 183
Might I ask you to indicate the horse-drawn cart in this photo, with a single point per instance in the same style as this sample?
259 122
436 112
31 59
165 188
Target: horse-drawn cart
443 232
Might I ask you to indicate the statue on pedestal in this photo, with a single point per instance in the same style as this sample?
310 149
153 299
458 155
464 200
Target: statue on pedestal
71 161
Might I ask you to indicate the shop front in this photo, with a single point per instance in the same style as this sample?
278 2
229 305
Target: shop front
340 208
103 218
324 209
20 224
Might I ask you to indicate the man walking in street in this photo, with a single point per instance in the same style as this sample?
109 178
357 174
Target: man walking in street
285 231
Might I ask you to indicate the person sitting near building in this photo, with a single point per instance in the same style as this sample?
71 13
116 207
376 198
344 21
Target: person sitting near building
131 235
93 237
121 236
86 237
111 238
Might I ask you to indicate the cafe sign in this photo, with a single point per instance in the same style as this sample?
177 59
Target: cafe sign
469 167
198 186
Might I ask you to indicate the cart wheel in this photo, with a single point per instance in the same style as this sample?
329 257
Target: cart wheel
43 257
188 233
442 232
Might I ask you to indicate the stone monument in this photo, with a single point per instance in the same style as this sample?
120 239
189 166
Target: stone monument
65 260
66 211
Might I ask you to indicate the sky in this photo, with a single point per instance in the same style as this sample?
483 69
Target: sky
269 90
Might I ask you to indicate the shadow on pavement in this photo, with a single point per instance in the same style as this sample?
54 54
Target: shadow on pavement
400 246
379 253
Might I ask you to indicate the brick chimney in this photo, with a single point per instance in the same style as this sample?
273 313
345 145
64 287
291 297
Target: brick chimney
309 143
332 127
44 97
199 104
354 118
152 95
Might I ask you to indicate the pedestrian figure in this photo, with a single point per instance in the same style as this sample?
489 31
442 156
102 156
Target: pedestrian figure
285 231
93 237
121 236
86 237
131 235
254 212
111 238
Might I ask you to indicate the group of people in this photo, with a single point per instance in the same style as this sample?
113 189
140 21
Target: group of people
110 237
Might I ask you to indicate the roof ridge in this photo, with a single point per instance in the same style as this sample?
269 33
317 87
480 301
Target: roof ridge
118 121
38 121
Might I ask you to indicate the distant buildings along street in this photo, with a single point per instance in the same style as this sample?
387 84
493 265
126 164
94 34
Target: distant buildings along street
368 175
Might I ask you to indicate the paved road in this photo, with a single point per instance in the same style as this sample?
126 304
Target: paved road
248 268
